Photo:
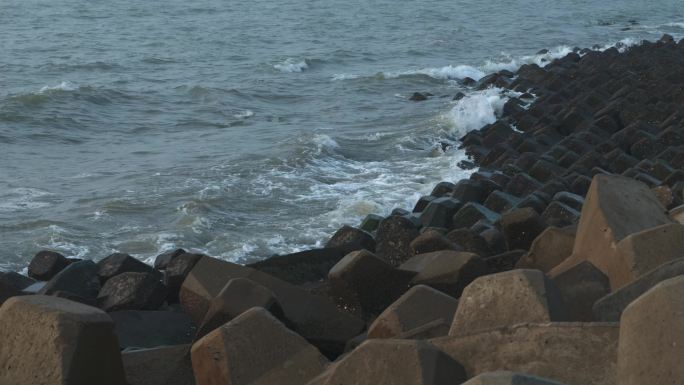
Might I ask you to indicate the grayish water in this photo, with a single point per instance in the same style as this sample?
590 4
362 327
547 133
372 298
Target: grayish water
244 129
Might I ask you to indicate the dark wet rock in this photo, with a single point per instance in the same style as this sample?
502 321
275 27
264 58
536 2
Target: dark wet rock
11 284
579 288
304 267
468 190
78 278
470 241
418 97
46 264
505 261
370 223
393 239
440 212
499 201
442 189
520 227
447 271
365 281
118 263
351 239
163 259
470 213
430 241
422 203
132 291
560 215
176 271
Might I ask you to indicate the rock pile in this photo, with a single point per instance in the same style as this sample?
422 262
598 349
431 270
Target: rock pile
557 262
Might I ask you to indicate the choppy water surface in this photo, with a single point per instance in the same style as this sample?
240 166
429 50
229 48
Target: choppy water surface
245 129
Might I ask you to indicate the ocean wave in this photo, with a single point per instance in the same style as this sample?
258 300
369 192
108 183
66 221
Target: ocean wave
244 114
63 86
291 65
477 110
476 72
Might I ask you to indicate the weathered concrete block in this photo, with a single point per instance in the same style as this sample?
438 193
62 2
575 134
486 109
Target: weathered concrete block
393 239
644 251
314 317
652 337
152 328
450 272
614 208
419 306
351 238
118 263
363 280
395 362
46 264
508 298
166 365
49 340
548 250
255 349
610 307
573 353
132 291
520 227
238 296
579 287
508 378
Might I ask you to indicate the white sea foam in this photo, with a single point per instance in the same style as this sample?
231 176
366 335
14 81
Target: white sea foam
676 24
244 114
23 198
290 65
476 110
345 76
63 86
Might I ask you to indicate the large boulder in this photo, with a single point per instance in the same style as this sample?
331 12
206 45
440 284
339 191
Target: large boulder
166 365
548 250
119 263
652 337
362 280
238 296
132 291
351 239
419 306
49 340
610 307
393 239
255 349
314 317
152 328
393 362
508 378
579 287
450 271
573 353
79 278
508 298
614 208
46 264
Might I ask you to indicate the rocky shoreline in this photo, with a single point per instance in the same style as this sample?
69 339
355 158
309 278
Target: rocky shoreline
557 262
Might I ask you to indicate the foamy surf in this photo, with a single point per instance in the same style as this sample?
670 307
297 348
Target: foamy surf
291 65
63 86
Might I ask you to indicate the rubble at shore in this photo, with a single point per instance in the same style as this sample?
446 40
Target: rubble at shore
559 261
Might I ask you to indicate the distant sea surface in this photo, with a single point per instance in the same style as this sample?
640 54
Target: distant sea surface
244 129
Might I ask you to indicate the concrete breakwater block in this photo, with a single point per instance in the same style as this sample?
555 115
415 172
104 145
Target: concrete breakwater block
396 362
50 340
505 299
572 353
255 349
